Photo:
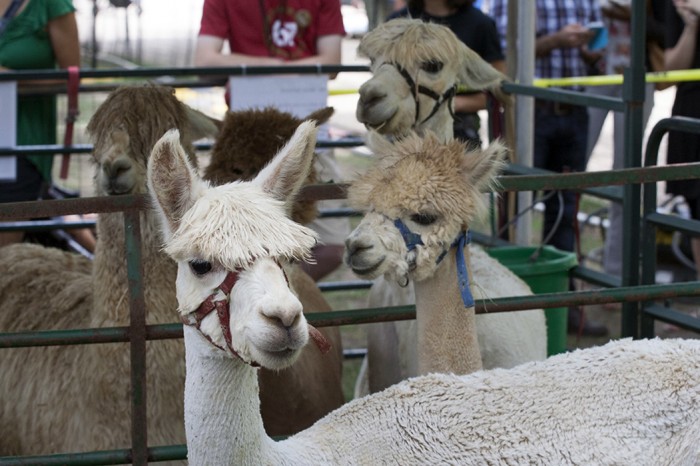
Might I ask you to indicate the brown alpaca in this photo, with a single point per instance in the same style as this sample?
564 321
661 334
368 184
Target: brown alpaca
93 374
76 398
289 402
247 142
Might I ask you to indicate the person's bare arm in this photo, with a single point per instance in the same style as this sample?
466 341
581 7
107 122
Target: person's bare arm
63 32
208 52
680 57
470 103
570 36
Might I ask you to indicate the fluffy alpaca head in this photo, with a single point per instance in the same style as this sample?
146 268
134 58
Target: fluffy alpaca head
434 188
433 57
242 227
128 123
247 142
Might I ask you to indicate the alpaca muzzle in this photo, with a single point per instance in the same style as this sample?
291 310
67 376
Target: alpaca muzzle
221 306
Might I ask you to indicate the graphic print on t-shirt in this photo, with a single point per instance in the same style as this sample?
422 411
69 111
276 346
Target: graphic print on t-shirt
286 27
283 34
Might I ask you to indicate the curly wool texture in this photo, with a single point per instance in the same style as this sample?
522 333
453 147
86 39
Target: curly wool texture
421 174
249 140
628 402
233 243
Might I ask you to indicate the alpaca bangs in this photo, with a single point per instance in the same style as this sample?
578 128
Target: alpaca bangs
266 231
421 42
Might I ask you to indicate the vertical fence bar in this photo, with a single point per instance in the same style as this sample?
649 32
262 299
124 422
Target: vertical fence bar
633 94
648 230
137 331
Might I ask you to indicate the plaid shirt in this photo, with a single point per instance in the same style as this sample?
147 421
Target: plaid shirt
552 15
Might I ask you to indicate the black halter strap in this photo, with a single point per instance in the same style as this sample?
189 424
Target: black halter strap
420 89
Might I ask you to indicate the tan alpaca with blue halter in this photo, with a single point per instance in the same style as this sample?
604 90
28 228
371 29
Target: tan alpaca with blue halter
419 200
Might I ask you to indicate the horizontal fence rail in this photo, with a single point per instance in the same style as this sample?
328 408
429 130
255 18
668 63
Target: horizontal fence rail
603 184
546 181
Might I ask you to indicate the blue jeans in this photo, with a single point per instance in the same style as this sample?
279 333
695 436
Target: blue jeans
560 146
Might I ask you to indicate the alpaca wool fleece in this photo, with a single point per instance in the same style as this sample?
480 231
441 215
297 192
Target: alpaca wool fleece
628 402
247 142
76 398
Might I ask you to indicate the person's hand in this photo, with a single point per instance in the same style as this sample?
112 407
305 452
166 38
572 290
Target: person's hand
688 11
591 57
574 36
3 69
615 10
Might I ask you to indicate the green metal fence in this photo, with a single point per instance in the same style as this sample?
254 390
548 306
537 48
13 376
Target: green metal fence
637 289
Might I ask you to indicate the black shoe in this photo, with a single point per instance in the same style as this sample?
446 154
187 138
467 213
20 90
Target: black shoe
579 325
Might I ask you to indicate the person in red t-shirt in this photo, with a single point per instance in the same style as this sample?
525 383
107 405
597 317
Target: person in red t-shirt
278 32
270 32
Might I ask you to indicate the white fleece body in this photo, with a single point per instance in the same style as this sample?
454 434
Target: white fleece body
625 403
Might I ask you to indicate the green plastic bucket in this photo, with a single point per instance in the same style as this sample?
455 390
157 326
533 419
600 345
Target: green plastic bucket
548 274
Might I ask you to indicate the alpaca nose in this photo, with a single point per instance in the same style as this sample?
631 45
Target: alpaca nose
118 177
117 167
371 94
354 246
286 317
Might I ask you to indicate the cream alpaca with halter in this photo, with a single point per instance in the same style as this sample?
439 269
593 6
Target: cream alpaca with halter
419 199
629 402
416 66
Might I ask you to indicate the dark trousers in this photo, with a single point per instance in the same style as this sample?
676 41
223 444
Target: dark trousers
27 186
561 134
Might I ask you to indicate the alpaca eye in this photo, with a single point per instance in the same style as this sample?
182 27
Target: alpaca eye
423 219
200 267
431 66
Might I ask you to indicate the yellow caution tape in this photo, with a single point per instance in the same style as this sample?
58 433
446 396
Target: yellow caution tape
342 91
655 77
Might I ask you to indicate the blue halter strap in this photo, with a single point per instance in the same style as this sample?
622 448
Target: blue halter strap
413 240
462 272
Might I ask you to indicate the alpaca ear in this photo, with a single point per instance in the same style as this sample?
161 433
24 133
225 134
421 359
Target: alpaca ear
284 176
476 73
200 125
481 167
172 181
321 115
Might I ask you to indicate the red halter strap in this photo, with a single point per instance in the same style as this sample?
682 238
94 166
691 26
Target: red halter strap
72 115
194 319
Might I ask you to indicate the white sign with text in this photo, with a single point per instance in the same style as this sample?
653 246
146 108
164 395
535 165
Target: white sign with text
299 95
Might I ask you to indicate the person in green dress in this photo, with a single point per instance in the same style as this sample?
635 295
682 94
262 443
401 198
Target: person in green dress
43 34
